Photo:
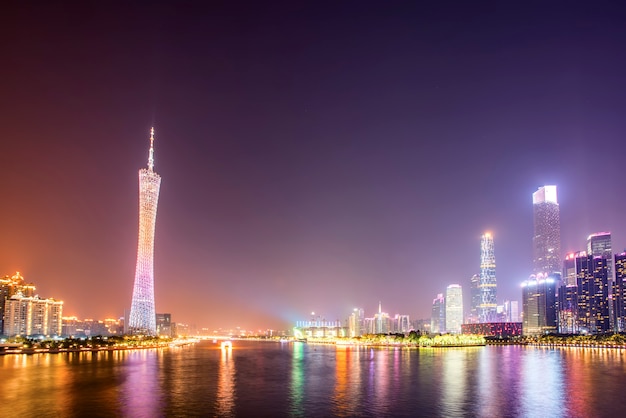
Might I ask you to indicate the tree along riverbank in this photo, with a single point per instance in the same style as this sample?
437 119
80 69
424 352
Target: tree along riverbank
90 344
413 339
608 340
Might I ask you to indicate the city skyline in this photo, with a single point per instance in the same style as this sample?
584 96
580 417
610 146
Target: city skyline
317 158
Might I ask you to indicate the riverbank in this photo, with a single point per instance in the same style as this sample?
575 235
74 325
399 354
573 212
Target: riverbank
15 348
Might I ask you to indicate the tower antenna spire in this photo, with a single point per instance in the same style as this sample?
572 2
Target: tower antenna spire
151 155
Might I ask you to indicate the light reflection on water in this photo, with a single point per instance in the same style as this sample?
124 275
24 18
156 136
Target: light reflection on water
226 390
296 379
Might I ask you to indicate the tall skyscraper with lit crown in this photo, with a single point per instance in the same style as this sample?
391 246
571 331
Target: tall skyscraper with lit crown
142 312
487 281
547 231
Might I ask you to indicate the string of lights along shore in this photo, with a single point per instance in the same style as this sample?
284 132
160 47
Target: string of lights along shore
142 311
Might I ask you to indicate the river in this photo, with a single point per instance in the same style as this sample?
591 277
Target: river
272 379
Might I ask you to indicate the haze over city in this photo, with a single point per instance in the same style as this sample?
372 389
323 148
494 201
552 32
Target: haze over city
313 157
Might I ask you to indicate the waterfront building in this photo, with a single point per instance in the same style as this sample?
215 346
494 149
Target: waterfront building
568 309
487 281
32 316
599 245
454 308
547 231
539 304
382 322
12 285
320 329
369 326
356 323
475 299
142 311
422 325
402 324
593 294
619 293
493 329
438 315
164 324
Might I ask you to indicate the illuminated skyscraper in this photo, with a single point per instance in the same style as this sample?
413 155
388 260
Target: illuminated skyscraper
593 294
454 309
547 231
619 292
31 315
142 312
539 305
476 299
599 245
355 323
487 282
438 315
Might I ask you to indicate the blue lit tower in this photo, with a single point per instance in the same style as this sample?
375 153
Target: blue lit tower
547 231
142 313
487 280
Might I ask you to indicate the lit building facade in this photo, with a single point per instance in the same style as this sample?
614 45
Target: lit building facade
402 324
164 324
568 309
494 329
511 311
539 305
438 315
319 329
599 245
142 311
593 294
569 267
30 316
12 285
619 291
475 299
487 281
382 322
454 308
356 323
547 231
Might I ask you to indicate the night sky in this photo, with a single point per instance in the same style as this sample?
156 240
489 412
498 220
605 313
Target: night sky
315 156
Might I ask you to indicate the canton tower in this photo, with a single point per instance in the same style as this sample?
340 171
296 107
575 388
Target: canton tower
142 313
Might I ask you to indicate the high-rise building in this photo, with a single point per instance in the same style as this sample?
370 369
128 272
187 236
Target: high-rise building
619 293
454 309
142 311
599 245
356 323
547 231
438 315
487 282
569 267
475 299
511 311
382 321
30 316
568 309
12 285
539 305
164 324
402 324
593 294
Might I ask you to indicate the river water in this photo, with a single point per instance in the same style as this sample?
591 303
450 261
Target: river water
255 379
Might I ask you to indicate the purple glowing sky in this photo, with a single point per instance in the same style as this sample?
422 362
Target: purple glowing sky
314 157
